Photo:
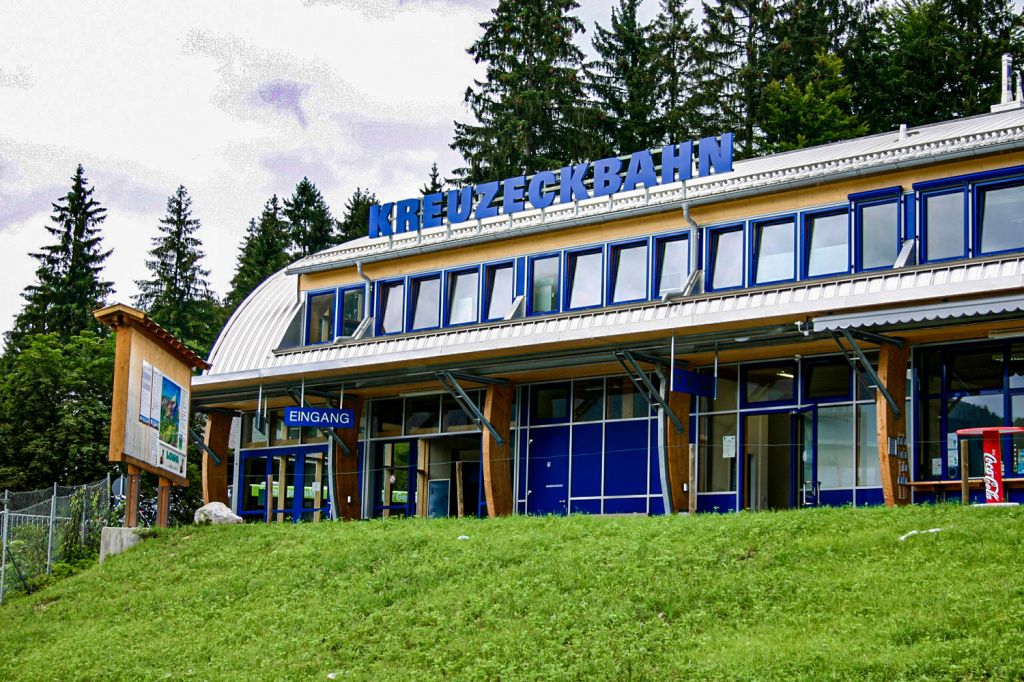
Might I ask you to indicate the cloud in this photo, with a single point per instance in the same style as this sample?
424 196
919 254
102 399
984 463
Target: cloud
18 78
284 95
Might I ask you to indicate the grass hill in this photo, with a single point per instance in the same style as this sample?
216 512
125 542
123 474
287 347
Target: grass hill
812 594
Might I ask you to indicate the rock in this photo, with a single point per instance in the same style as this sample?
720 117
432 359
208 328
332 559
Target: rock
215 513
115 540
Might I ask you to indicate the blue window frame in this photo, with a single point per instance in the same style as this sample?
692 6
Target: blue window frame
774 250
352 309
725 258
999 217
943 224
543 295
877 228
498 290
584 278
462 296
391 307
826 243
672 265
770 383
828 379
424 303
321 311
627 272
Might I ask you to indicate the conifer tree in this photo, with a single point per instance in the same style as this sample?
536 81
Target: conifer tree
817 113
737 38
675 39
311 223
264 251
434 183
529 109
68 283
356 222
177 294
624 80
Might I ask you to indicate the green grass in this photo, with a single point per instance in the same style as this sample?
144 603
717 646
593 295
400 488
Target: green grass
815 594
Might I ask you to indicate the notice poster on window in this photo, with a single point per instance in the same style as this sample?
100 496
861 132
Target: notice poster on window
952 450
728 447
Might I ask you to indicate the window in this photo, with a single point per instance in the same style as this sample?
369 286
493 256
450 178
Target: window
673 264
835 446
716 466
422 414
320 328
774 251
392 307
975 370
825 379
463 290
498 291
587 400
1000 217
352 305
386 418
425 300
868 467
585 278
549 403
878 233
544 285
727 258
772 383
624 400
826 244
945 220
628 273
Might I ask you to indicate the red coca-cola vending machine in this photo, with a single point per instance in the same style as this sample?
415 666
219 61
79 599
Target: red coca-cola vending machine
992 447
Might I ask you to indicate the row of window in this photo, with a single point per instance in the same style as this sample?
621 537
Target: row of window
959 217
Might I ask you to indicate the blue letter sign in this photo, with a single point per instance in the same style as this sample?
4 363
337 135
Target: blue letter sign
322 417
567 185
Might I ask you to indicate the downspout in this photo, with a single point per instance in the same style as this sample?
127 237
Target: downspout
369 288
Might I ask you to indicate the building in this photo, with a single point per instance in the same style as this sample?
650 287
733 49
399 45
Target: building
827 317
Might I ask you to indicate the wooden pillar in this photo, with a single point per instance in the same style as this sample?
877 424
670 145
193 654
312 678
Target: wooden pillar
892 432
131 509
163 503
497 459
215 476
677 455
346 467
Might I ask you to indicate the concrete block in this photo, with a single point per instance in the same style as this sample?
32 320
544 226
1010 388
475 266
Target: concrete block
115 540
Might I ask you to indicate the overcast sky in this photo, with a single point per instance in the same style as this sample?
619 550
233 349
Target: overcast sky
235 100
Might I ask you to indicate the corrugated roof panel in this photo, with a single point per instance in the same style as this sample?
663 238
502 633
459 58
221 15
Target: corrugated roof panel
921 313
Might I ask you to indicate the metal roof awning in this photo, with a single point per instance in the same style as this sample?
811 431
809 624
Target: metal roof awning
917 315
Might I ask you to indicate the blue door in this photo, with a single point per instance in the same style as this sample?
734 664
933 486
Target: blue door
547 490
284 484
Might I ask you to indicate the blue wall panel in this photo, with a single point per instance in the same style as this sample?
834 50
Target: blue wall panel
835 498
584 506
655 480
868 496
625 458
716 502
657 506
586 460
629 505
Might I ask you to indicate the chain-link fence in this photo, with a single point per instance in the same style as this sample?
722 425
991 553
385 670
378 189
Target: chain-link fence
43 528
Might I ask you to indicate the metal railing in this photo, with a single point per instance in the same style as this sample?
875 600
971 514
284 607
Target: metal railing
41 528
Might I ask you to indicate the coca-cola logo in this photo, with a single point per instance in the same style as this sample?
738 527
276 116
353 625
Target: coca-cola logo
991 484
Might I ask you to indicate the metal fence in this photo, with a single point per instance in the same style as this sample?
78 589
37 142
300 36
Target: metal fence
41 528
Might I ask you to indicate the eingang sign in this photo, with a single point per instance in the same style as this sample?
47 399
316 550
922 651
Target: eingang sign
541 190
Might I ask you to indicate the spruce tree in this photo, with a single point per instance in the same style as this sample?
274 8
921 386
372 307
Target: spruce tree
434 183
734 66
356 222
264 251
68 283
675 39
530 110
624 81
311 223
817 113
177 294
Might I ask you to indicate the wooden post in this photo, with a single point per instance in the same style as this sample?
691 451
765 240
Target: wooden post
460 507
163 503
346 467
131 509
270 495
677 455
496 460
422 474
215 476
892 370
692 449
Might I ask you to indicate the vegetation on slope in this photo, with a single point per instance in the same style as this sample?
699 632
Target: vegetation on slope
814 594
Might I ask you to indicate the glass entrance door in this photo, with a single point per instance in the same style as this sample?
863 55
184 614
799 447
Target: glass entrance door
287 484
779 459
395 478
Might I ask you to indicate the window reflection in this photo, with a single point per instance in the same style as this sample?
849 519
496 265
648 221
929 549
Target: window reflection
944 225
585 278
462 297
629 272
878 234
392 303
828 244
544 285
321 318
426 303
727 259
775 251
351 311
499 291
1001 218
673 264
